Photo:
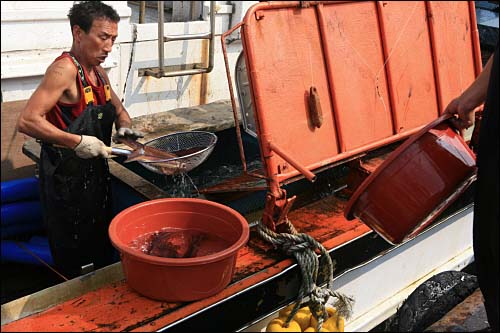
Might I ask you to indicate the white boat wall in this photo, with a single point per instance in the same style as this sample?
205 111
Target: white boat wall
35 33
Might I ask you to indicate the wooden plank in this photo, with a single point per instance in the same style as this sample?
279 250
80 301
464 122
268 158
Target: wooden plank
211 117
14 164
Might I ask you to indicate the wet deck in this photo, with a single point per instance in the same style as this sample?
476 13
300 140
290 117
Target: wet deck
115 307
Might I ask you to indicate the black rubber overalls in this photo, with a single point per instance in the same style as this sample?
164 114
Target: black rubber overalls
76 193
486 217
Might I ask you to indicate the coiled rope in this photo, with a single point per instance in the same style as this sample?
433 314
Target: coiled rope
302 247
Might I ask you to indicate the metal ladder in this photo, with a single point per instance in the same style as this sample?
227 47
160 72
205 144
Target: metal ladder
189 69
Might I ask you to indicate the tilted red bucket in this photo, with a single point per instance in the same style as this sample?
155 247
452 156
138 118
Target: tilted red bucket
415 183
178 279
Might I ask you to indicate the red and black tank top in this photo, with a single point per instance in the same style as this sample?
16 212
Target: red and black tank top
63 114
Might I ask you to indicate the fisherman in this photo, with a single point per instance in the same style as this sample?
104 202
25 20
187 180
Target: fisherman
485 226
71 113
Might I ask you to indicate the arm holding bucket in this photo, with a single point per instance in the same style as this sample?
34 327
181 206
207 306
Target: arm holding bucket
471 100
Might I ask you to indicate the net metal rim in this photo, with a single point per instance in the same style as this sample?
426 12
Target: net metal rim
211 135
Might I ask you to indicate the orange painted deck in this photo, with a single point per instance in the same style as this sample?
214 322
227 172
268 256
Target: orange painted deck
116 307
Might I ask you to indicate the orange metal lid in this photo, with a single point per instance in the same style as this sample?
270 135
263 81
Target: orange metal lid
355 56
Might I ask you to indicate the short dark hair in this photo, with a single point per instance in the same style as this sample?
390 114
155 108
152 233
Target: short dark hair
84 13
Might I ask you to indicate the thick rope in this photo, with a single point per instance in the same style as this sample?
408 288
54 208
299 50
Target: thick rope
302 247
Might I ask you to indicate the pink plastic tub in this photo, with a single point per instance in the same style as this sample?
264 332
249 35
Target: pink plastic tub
178 279
415 183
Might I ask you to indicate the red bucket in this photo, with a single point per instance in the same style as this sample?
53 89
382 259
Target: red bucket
178 279
416 182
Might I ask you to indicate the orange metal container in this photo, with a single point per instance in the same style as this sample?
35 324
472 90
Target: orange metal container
178 279
382 70
415 183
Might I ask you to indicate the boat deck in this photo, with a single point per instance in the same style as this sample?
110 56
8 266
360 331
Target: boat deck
116 307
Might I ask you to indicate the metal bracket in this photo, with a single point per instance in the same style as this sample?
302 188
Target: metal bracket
85 269
174 70
315 113
276 211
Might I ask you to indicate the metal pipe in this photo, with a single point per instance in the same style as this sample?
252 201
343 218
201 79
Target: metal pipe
435 61
428 14
268 164
205 35
387 72
211 48
356 151
191 10
308 174
231 93
161 22
142 11
175 73
478 65
329 71
287 4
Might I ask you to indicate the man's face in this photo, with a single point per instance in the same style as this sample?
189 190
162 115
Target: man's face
96 45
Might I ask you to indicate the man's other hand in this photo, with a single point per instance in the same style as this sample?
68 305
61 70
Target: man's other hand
125 132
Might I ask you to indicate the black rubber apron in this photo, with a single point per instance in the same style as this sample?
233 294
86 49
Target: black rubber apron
76 193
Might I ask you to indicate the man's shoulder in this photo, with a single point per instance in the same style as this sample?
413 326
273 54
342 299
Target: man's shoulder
101 70
64 66
60 74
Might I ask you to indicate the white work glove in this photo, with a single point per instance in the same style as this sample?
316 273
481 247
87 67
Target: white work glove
90 147
125 132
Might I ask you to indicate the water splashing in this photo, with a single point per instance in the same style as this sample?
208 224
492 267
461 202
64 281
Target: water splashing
182 186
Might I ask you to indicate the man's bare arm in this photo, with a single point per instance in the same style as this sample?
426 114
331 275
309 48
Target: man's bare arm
465 105
59 77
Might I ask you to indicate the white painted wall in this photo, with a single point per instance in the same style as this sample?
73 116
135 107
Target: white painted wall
34 33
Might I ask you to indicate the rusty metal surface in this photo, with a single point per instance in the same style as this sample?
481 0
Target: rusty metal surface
468 316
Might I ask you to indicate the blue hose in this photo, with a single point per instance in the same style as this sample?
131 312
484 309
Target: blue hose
12 252
20 190
22 212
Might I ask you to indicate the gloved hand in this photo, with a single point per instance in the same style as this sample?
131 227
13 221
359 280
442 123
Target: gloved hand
90 147
125 132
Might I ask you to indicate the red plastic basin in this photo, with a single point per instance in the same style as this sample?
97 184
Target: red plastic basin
178 279
415 183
